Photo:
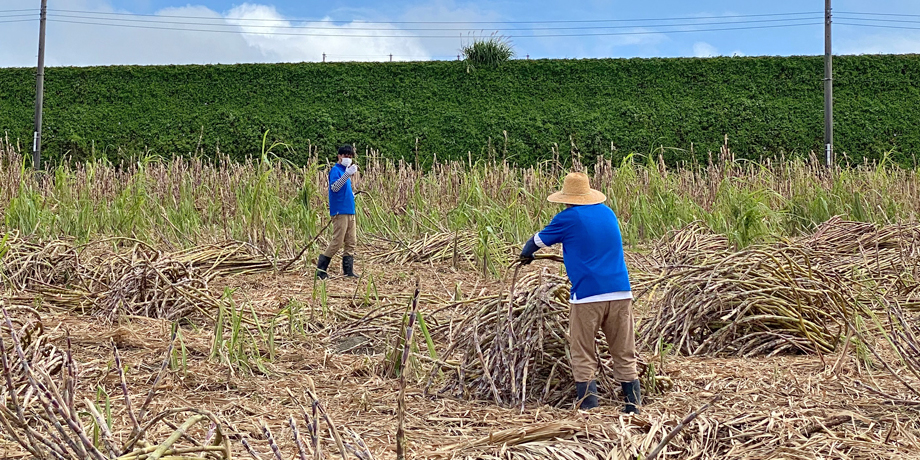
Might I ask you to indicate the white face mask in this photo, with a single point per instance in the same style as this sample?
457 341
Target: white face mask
346 162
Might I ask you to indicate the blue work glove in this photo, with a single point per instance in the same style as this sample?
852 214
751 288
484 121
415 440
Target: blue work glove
527 252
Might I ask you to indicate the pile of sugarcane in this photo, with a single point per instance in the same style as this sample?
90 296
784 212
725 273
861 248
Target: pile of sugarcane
26 325
837 236
229 258
138 281
689 245
904 335
155 285
516 351
25 263
884 258
791 296
751 302
141 281
454 247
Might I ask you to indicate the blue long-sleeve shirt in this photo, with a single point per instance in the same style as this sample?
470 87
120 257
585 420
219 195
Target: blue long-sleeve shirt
592 249
341 195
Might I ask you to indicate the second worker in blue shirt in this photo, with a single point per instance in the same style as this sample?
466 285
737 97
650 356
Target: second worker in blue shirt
342 211
592 249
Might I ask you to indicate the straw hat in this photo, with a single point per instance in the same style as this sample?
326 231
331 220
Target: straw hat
577 190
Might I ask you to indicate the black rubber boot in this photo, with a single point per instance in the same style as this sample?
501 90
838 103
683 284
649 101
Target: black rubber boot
322 264
633 395
348 266
586 395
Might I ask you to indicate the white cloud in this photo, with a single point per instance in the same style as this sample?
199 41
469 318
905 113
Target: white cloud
703 49
282 40
466 24
260 34
72 42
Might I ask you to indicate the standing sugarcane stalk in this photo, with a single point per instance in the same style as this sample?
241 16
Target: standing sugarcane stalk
313 444
295 433
313 423
136 426
401 402
271 440
314 430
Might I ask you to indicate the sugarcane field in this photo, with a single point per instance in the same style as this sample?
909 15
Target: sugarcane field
183 309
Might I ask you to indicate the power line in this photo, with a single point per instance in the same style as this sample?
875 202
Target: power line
231 24
910 21
879 14
19 15
19 20
581 21
880 26
444 22
665 32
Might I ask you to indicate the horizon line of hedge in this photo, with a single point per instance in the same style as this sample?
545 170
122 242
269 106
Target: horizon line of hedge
522 110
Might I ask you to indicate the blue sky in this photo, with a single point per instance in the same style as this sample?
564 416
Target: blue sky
106 32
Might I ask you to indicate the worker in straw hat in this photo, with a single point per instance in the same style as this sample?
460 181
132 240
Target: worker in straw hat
601 298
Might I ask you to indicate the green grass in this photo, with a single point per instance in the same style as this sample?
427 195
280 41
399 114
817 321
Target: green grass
237 338
278 206
488 52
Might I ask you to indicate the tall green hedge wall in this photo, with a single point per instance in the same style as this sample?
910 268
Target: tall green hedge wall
768 106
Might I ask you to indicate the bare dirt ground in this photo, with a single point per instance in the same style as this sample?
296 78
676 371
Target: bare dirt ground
779 407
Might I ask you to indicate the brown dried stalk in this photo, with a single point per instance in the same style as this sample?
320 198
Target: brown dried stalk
401 399
689 418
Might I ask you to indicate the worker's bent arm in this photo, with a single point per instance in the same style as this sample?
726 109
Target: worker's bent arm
337 185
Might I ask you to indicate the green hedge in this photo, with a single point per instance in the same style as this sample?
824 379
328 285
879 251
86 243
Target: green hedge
767 105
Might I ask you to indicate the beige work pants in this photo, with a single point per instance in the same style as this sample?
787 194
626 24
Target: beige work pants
343 233
615 318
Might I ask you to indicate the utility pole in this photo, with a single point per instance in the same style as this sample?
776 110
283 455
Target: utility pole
828 90
39 91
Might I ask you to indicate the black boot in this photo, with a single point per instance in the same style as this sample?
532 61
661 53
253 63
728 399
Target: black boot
348 266
321 265
586 395
633 395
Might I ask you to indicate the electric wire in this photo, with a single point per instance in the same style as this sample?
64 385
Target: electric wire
879 14
231 22
908 21
657 32
576 21
791 19
451 22
876 26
